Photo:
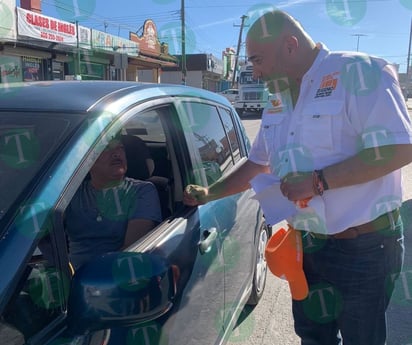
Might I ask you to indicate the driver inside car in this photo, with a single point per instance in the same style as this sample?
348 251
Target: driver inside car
110 211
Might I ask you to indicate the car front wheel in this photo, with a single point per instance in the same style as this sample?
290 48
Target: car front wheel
259 276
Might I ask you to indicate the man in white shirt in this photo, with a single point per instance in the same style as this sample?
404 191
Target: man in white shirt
336 131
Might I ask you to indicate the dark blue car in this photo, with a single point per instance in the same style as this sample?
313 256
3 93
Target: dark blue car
187 281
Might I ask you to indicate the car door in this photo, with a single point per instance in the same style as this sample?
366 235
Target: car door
242 239
218 146
188 240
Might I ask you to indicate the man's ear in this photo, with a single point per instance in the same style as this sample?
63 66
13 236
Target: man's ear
291 44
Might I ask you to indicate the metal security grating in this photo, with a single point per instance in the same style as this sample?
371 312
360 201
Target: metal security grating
253 96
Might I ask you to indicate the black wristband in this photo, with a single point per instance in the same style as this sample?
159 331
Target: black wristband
322 179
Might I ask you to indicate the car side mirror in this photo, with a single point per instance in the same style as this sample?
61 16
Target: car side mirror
120 289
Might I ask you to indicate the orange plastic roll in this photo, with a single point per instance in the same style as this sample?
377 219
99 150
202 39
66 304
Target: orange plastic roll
284 256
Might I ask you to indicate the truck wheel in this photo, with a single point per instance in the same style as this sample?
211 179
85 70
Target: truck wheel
239 111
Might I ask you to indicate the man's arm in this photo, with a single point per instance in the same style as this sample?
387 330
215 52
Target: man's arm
367 165
236 182
136 229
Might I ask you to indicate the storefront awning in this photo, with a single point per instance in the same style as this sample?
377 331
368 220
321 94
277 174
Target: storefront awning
144 62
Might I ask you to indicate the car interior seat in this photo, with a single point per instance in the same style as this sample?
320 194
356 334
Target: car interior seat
140 165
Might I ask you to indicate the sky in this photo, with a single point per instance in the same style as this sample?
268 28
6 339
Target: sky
376 27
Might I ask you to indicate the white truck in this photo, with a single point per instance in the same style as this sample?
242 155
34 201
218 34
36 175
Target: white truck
253 93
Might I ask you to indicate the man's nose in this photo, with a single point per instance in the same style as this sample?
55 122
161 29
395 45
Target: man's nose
116 153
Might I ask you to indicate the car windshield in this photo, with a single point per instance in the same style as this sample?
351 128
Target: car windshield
27 141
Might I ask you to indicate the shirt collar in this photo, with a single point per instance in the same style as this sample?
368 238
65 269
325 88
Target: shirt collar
323 52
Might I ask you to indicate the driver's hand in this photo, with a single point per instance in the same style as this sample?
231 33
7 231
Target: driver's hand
194 195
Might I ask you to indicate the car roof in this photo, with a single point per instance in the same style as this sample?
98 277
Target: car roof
86 96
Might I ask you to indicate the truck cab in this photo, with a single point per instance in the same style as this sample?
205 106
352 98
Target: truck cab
253 93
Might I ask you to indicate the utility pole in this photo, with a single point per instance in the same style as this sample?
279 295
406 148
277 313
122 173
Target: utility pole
408 77
78 65
183 60
244 17
357 44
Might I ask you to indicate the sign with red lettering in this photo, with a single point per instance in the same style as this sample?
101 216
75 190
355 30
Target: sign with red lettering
36 25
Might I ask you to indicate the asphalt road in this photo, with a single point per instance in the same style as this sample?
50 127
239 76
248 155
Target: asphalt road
270 322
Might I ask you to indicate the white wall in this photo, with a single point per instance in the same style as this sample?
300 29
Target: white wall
193 78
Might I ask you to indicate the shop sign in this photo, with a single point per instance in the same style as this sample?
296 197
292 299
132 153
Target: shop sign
38 26
104 41
85 37
32 68
10 69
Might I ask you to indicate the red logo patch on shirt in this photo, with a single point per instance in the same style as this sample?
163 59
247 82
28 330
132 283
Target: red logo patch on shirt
327 85
276 106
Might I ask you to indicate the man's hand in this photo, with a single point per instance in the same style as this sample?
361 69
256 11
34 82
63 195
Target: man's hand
297 186
194 195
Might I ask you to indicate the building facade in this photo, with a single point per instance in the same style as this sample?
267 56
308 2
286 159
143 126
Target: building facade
37 47
204 71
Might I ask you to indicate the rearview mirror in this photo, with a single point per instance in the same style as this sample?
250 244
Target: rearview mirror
120 289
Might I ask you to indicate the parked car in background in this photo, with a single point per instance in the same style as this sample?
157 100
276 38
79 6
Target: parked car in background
187 281
231 94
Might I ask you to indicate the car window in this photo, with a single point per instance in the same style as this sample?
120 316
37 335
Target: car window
231 133
27 141
39 298
147 126
210 139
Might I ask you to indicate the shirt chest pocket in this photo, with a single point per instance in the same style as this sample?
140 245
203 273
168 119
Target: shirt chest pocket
320 127
273 128
274 133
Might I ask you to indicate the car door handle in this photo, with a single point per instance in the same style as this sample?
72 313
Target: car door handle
208 237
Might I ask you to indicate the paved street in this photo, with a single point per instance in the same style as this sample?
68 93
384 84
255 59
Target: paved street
270 323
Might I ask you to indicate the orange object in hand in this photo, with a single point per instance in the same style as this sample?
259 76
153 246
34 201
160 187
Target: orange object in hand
284 256
302 203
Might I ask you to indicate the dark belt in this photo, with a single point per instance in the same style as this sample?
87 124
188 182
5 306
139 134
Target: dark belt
382 222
